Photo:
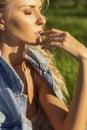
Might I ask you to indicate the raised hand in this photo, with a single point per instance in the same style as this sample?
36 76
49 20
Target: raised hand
63 40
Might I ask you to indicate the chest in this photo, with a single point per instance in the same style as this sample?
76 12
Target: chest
28 76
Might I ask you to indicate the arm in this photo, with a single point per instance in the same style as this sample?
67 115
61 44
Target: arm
59 116
76 118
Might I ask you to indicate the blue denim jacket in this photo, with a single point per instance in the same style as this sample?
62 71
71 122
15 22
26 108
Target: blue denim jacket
13 102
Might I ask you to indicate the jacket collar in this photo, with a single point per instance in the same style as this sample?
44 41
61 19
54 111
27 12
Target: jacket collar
10 76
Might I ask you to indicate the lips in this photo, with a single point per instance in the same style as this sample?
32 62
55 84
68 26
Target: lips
38 33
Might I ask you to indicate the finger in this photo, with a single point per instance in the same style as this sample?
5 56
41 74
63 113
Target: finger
57 43
44 41
52 40
53 44
46 46
53 37
51 31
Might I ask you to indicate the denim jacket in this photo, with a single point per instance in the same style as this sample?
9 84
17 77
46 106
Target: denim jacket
13 102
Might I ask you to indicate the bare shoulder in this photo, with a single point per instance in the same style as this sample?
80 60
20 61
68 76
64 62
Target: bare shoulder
44 90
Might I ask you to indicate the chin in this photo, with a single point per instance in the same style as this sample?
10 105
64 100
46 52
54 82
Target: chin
35 41
31 42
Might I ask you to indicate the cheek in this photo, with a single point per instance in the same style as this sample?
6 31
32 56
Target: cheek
22 28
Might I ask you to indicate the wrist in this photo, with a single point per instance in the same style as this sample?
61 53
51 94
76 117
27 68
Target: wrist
83 56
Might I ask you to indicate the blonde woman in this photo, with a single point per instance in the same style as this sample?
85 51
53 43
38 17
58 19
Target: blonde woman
26 87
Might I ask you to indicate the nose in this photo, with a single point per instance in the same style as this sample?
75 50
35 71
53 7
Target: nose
41 20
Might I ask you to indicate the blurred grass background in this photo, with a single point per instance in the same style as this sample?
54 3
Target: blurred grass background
72 17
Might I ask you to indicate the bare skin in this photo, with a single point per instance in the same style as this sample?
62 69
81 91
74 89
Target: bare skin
22 24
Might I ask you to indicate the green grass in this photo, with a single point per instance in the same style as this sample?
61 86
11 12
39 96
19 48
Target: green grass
73 20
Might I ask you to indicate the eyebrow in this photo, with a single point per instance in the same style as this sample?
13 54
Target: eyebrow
32 6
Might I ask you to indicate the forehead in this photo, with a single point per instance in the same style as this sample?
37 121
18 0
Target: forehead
33 2
19 3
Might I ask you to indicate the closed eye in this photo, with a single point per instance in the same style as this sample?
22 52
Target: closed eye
27 12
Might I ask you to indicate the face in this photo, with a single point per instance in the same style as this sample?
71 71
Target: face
23 20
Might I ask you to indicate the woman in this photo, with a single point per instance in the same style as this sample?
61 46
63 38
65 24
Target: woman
21 23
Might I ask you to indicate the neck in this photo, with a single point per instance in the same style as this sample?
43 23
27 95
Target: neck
13 55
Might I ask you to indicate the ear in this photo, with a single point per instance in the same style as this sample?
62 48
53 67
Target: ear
1 22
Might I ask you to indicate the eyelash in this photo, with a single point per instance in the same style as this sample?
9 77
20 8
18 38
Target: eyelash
28 12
